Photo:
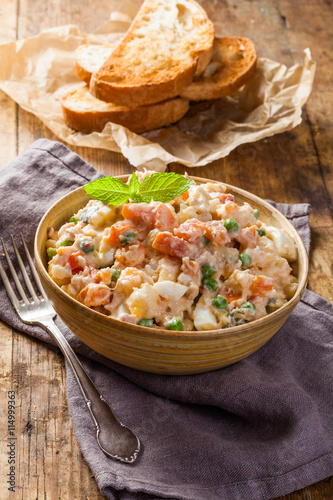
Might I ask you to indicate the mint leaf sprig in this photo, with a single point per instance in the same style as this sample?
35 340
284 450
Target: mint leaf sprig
161 187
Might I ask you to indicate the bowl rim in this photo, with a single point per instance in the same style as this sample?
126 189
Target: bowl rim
196 334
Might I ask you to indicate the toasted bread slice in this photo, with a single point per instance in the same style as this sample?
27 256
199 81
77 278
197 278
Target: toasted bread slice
167 44
233 64
90 58
85 113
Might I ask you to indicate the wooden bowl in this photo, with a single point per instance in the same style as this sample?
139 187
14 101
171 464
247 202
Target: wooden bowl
164 351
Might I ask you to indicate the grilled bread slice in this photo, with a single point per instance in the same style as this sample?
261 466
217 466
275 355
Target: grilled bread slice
168 43
233 63
89 59
85 113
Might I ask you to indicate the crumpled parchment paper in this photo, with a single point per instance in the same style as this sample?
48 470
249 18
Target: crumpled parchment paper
37 71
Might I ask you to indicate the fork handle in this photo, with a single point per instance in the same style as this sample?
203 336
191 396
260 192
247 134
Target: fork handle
114 438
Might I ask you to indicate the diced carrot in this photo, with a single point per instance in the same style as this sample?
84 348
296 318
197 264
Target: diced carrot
140 213
230 206
171 245
231 295
74 263
191 230
260 286
165 219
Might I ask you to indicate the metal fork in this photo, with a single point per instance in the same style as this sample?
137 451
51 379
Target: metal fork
114 438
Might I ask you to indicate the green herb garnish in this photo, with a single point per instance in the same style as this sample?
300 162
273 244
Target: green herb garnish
161 187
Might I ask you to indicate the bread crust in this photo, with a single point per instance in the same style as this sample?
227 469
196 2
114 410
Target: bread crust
89 58
83 112
154 61
82 73
233 64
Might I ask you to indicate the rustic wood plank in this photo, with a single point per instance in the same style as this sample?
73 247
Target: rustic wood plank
49 462
5 387
8 150
317 114
8 137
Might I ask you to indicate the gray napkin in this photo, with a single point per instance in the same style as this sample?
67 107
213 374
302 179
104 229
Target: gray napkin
255 430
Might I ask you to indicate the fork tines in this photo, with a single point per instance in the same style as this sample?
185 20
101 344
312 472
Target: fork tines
15 301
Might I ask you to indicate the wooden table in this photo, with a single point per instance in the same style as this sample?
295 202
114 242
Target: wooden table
292 167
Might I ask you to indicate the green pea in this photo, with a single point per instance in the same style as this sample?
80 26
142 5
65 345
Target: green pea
51 252
210 283
245 259
208 270
85 216
127 238
230 225
146 322
86 246
204 240
256 213
115 274
220 302
66 243
175 324
73 219
248 305
261 232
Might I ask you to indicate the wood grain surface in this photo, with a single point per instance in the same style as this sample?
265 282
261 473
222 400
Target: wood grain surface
292 167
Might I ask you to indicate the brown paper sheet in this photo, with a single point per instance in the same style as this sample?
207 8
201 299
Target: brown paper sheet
37 71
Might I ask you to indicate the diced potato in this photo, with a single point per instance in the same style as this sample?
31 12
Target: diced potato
60 274
122 309
242 214
144 302
168 269
104 215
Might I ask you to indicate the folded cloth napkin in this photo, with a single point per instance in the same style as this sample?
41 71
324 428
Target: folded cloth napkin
258 429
